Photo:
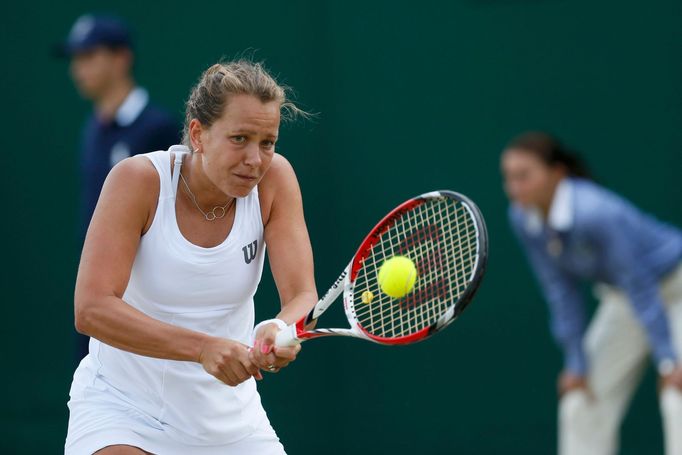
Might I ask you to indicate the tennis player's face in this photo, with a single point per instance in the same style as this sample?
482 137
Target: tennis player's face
238 148
528 180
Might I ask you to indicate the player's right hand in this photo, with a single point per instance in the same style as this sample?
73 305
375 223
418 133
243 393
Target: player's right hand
266 355
228 361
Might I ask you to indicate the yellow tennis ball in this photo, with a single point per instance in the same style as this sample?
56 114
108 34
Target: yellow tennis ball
367 297
397 276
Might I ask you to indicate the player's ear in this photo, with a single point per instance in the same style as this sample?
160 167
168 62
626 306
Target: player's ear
195 130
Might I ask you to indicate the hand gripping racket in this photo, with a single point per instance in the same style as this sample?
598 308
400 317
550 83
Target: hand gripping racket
444 234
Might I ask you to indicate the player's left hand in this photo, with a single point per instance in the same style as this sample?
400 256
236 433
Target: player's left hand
674 379
268 357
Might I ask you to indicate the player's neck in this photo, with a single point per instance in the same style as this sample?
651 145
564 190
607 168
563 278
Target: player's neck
206 193
111 100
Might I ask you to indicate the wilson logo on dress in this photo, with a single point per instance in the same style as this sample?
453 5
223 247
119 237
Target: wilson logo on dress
250 251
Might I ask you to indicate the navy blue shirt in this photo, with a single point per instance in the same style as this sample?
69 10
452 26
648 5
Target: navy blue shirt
138 127
594 234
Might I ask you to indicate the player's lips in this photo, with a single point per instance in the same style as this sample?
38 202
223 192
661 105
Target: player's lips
248 178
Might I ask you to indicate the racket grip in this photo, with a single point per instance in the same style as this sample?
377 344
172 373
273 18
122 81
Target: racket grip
287 337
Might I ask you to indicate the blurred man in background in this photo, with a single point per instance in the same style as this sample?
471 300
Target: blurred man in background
123 122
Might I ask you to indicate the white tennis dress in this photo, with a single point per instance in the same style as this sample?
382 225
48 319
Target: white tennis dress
168 406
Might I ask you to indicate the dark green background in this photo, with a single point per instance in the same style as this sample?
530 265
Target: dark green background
412 96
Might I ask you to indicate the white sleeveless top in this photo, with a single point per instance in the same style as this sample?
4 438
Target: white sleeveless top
209 290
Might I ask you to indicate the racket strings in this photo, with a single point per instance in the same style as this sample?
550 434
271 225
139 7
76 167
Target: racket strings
441 238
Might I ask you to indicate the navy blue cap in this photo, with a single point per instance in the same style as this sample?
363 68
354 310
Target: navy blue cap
91 31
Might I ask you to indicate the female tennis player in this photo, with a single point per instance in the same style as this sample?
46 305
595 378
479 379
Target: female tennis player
574 230
170 265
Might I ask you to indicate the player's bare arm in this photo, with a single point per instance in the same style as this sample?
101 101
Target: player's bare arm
291 258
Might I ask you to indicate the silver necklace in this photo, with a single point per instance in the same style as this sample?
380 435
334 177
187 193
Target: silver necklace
216 212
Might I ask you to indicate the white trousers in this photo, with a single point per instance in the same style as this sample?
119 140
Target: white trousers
618 354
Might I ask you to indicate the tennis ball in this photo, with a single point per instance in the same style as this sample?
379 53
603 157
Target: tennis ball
367 297
397 276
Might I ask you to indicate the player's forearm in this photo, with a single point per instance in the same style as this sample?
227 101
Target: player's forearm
298 307
114 322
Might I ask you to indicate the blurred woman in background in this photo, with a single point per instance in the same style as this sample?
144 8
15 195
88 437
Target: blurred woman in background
574 230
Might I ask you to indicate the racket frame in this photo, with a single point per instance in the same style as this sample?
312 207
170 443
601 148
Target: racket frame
297 333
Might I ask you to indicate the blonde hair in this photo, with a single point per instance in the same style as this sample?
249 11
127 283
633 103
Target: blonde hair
217 84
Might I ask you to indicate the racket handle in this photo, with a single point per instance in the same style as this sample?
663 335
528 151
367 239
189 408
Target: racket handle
287 337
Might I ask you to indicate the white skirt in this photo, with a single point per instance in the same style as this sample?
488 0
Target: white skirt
99 417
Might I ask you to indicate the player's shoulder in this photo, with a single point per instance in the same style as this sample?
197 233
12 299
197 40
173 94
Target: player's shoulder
133 183
279 186
135 171
281 164
280 174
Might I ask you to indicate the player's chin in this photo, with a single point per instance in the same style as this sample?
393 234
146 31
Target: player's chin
242 187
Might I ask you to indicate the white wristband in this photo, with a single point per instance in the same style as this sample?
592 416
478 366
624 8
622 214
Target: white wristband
281 324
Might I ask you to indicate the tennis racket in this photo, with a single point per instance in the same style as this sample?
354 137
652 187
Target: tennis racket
444 234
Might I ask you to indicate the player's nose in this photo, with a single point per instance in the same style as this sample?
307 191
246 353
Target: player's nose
252 157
